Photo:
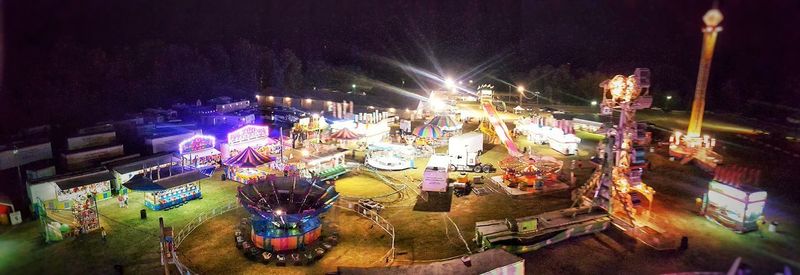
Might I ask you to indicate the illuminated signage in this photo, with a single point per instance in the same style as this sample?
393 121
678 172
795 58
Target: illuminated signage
248 133
196 143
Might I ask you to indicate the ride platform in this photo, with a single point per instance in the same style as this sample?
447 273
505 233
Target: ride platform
534 232
548 188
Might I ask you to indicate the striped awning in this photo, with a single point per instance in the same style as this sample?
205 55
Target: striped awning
345 134
248 158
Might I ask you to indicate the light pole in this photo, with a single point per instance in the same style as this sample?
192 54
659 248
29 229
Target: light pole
354 87
521 90
666 102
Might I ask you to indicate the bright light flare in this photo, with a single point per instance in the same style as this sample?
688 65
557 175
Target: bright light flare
448 82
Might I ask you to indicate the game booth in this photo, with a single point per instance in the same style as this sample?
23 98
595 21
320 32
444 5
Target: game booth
60 191
366 127
171 187
284 214
390 157
243 168
67 204
563 140
345 137
249 136
732 202
199 151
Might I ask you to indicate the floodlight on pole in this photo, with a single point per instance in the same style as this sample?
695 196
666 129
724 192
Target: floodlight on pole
448 83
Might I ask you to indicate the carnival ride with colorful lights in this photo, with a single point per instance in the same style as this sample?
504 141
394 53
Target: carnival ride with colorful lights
284 213
607 198
693 146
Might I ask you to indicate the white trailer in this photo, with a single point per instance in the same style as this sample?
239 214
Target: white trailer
434 179
464 151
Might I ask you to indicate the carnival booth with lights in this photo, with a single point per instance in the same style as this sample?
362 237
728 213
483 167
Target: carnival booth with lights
285 212
390 157
563 140
327 163
345 137
170 187
199 151
244 167
731 201
560 136
67 203
255 136
370 127
60 191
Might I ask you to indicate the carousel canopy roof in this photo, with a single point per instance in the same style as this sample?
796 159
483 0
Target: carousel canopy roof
428 131
443 122
292 198
345 134
248 158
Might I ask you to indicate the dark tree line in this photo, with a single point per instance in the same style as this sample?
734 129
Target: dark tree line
72 79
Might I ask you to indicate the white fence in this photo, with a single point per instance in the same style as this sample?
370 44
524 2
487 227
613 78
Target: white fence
200 219
381 222
181 235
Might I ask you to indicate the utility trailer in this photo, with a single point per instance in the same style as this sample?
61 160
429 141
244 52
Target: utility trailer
464 151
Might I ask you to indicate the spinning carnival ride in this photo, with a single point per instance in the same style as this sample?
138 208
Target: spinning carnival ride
285 211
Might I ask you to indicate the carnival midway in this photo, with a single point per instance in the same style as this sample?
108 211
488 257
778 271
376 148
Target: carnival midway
467 181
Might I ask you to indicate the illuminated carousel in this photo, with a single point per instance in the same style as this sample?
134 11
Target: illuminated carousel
285 225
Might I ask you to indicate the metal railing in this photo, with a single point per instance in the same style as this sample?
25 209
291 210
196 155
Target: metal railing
200 219
377 219
184 232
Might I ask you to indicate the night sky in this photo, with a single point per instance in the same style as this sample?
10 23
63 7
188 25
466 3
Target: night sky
49 44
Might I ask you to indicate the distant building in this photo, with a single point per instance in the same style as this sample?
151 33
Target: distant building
232 106
167 139
234 119
88 157
21 153
87 139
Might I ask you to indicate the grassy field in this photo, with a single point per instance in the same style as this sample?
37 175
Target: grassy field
132 242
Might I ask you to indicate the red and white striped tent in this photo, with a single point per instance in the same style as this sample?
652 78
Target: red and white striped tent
345 134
